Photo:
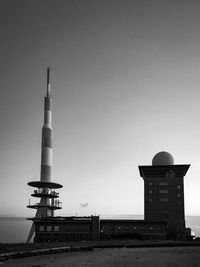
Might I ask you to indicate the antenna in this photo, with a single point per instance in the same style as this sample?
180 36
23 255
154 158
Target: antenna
48 81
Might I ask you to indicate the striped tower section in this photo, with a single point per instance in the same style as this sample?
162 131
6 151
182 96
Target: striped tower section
47 137
45 188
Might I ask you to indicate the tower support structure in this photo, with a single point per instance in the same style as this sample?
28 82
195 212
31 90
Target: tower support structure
45 188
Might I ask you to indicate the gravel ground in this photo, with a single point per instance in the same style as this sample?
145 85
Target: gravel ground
110 257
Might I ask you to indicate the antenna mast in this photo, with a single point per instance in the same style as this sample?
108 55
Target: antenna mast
48 81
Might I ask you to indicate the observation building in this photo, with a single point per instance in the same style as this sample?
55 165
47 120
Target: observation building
164 193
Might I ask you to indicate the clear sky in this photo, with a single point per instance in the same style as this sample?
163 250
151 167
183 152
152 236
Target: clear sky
125 84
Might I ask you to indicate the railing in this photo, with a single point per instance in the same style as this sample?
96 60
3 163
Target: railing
56 204
46 191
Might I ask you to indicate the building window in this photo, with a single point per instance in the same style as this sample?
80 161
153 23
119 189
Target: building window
150 191
150 183
163 191
163 183
164 199
56 228
135 228
41 228
150 199
118 227
151 228
178 187
179 195
49 228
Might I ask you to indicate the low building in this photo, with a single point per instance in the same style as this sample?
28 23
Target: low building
132 229
61 229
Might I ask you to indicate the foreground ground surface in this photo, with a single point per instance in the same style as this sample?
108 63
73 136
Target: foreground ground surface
116 257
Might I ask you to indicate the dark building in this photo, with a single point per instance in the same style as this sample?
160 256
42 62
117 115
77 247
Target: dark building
60 229
163 211
164 193
132 229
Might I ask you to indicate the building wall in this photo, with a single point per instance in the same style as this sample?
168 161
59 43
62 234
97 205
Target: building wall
135 229
91 228
164 196
164 199
61 229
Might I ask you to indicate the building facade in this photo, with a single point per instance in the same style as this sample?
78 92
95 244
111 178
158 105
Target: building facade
61 229
132 229
164 193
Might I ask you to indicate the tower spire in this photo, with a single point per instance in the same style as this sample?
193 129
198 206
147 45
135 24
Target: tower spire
45 187
48 81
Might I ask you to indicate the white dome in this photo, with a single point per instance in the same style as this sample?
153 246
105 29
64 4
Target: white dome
163 158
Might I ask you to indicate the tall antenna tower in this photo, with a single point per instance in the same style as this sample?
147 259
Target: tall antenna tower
45 189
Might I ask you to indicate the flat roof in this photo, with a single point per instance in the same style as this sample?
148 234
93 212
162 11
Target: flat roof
89 219
151 171
131 221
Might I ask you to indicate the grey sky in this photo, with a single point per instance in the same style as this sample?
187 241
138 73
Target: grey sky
125 84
